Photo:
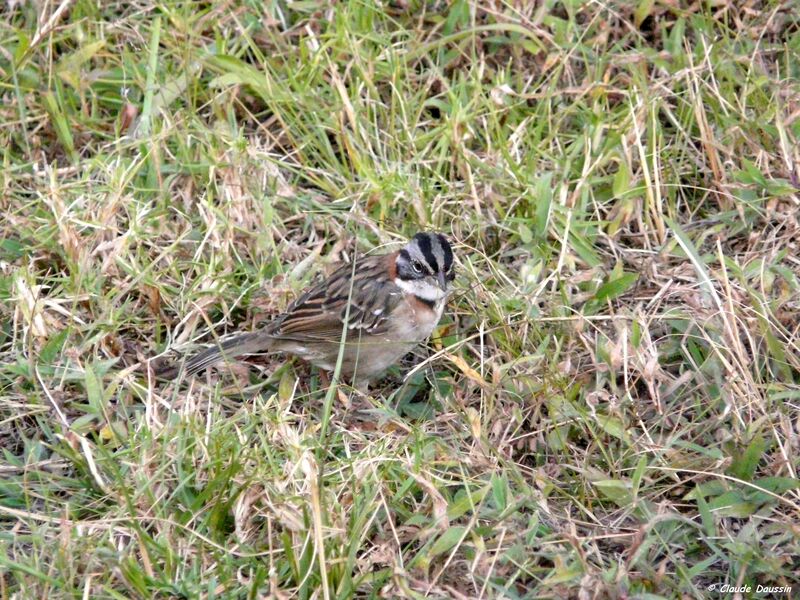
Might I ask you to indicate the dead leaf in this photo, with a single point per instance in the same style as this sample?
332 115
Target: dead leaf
466 369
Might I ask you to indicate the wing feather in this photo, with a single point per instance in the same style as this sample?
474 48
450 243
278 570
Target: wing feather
320 313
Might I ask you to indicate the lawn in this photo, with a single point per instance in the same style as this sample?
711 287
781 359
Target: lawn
609 407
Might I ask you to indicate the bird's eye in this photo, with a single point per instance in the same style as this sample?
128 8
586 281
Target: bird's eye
416 266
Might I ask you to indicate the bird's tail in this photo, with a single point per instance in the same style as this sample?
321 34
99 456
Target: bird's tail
229 349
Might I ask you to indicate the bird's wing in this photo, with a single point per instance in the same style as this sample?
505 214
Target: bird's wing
319 314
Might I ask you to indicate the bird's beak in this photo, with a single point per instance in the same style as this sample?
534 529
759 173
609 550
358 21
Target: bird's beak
442 281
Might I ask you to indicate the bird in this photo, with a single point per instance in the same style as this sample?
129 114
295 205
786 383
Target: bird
379 308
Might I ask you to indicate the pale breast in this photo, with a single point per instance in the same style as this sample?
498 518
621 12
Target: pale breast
415 320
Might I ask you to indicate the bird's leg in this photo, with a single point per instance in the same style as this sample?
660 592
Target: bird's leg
324 379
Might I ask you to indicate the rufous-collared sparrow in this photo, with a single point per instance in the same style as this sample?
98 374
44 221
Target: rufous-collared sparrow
390 303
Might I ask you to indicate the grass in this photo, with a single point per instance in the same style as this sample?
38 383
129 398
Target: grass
610 406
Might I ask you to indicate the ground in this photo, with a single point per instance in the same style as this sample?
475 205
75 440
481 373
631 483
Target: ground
609 408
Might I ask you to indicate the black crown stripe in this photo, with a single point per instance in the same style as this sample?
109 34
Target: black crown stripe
448 252
424 243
